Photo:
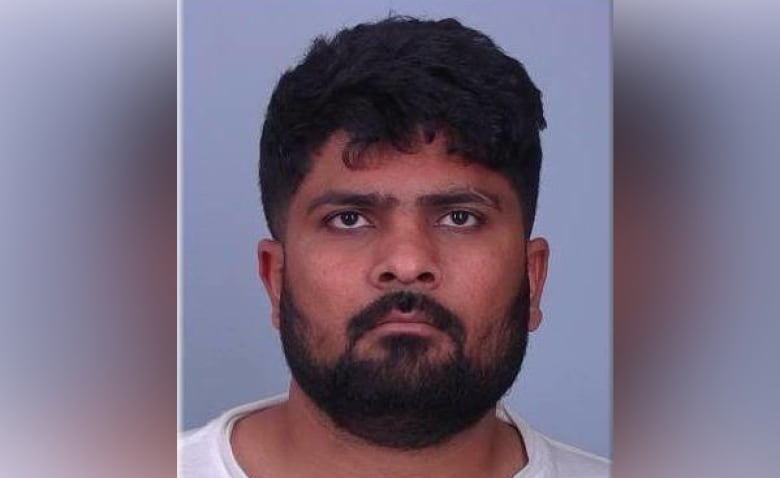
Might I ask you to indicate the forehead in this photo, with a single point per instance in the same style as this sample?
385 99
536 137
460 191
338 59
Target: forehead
387 171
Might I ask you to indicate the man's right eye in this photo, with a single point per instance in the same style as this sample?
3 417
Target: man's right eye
347 220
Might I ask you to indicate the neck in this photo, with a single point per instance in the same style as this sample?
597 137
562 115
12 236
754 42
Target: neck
488 448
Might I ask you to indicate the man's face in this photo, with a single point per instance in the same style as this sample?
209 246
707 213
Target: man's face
403 282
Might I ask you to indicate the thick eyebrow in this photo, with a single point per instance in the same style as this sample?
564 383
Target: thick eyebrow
460 196
347 198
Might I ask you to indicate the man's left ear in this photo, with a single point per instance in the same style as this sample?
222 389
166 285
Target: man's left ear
537 255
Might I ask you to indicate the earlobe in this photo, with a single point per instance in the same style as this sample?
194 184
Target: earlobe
270 261
537 257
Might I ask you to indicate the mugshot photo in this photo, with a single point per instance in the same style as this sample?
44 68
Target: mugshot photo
395 239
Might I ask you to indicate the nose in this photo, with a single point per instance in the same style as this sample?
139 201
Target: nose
406 258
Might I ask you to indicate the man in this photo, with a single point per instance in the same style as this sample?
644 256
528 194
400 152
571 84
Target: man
399 170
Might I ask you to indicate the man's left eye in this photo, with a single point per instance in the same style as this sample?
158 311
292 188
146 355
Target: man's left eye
459 219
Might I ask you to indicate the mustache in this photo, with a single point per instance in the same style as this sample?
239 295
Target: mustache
433 312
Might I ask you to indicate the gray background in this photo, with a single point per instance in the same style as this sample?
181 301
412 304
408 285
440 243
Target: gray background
232 55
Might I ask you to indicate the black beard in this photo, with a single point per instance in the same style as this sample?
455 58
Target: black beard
406 400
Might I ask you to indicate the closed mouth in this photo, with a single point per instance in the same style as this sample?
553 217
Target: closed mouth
415 321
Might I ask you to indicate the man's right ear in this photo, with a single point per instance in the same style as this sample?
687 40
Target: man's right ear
270 261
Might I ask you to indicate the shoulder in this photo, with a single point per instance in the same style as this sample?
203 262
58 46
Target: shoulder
199 452
550 458
573 462
205 452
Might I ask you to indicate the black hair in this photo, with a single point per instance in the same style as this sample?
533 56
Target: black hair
396 82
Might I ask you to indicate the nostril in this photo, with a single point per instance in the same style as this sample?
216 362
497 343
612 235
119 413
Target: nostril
386 277
426 277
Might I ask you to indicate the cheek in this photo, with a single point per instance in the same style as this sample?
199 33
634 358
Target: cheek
330 272
482 285
325 284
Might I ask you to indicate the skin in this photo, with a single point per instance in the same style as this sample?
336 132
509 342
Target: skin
427 222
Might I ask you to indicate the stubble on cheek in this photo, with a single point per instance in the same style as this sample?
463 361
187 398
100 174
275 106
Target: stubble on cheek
324 283
321 332
499 324
487 345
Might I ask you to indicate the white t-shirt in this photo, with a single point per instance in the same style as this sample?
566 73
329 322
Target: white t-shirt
206 452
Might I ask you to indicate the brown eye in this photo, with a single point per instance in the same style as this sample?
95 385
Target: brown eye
348 220
459 219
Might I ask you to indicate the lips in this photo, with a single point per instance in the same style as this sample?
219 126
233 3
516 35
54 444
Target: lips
408 312
406 322
414 317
